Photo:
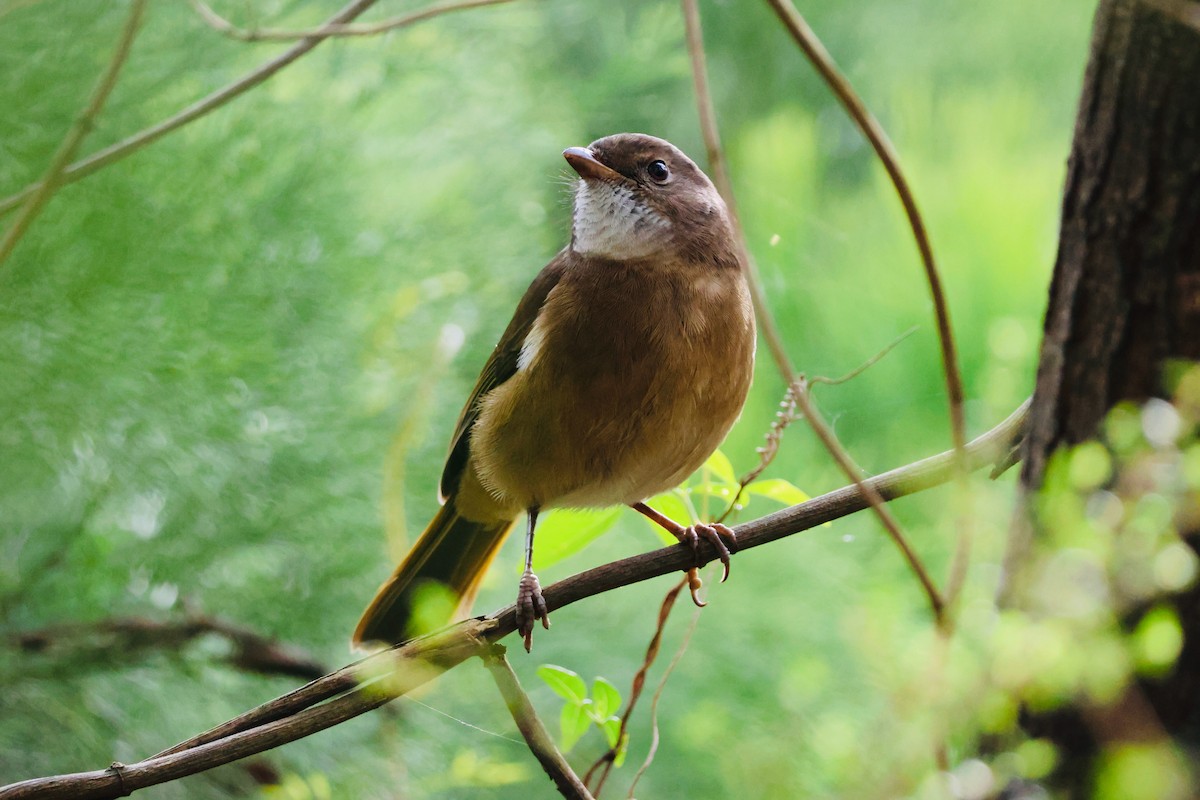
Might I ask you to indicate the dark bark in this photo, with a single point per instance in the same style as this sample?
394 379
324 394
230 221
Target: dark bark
1124 301
1126 290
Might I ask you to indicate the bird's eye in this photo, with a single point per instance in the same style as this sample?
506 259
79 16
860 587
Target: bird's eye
658 172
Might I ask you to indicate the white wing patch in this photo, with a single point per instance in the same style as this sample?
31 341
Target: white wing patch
610 222
532 346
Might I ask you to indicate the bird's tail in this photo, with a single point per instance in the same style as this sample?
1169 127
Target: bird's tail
454 552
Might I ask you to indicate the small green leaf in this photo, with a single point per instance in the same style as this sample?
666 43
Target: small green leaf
719 465
622 750
565 683
566 531
669 504
605 699
612 730
779 490
574 722
718 490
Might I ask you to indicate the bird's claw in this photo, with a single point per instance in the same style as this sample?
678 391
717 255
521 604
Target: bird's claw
531 607
714 534
695 585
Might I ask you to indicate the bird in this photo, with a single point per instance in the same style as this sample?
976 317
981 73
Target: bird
626 363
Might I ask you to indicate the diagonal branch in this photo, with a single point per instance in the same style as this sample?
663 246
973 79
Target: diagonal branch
531 726
53 177
115 152
332 29
376 680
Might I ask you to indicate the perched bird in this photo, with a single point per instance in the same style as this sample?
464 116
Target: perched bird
626 363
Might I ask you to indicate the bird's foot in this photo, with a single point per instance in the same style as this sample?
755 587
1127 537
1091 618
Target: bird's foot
531 607
716 535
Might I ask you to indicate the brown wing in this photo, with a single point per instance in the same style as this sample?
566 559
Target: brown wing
499 368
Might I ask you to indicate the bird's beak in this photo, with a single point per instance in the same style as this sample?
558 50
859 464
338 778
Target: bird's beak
587 165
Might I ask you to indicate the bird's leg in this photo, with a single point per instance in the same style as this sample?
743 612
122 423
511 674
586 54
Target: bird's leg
714 534
531 606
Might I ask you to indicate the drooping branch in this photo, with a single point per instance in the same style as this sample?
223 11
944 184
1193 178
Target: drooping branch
131 144
380 678
819 57
251 651
605 762
53 176
797 384
937 602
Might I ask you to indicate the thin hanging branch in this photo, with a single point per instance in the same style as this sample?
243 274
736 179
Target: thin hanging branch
816 53
708 124
819 57
374 681
44 189
605 762
786 415
658 692
332 30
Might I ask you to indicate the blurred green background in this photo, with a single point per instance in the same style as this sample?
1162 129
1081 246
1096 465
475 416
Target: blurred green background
228 370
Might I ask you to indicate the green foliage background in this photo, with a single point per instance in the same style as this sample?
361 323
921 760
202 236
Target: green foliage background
227 372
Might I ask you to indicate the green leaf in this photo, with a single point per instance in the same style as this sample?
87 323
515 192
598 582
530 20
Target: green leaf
622 750
612 731
574 722
779 490
565 532
719 465
565 683
671 505
605 700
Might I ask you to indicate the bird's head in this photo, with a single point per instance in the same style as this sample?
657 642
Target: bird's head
639 196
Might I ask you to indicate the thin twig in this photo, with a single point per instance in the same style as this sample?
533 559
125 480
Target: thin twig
131 144
720 175
863 367
380 678
870 127
787 415
332 30
531 727
639 683
658 692
52 178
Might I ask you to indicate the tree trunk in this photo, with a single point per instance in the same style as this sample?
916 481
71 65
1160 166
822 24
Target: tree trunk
1126 290
1124 300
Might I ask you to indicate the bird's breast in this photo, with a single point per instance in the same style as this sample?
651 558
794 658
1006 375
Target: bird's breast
626 383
